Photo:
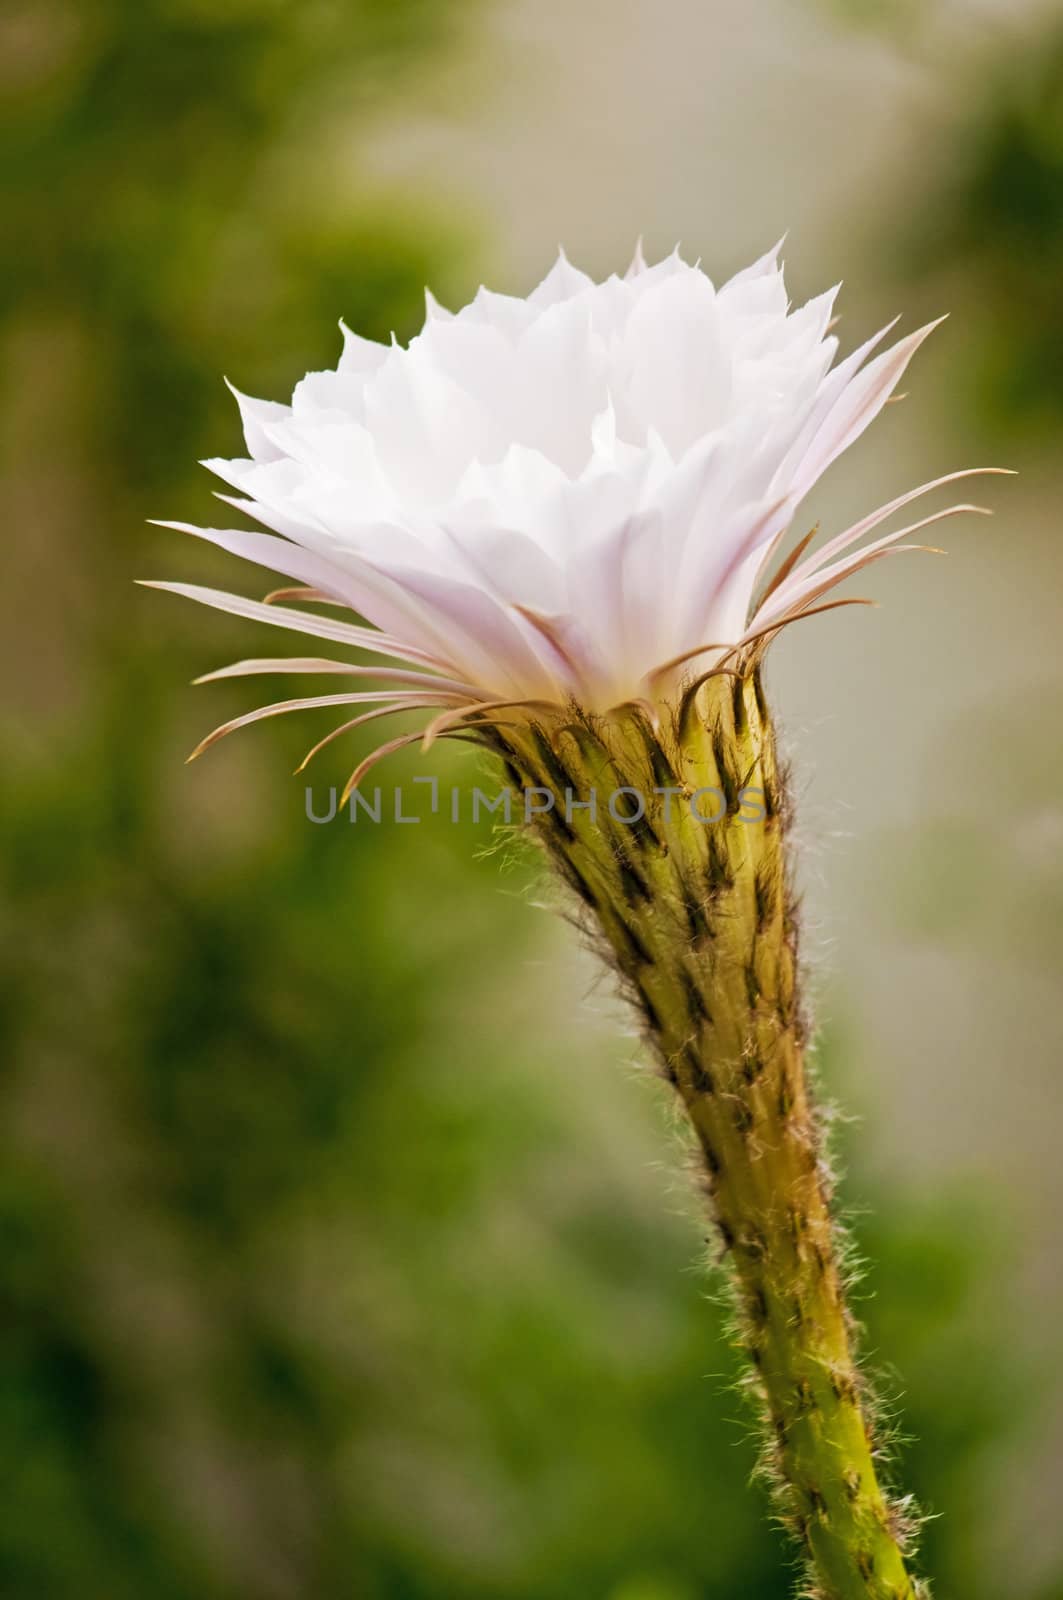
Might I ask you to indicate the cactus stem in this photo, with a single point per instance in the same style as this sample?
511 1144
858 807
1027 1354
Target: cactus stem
697 914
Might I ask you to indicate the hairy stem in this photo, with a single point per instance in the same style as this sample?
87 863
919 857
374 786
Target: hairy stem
683 879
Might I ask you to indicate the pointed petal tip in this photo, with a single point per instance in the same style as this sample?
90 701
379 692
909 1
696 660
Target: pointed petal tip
434 311
242 399
637 265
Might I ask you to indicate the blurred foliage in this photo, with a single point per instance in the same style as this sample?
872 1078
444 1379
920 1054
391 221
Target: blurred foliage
989 204
325 1271
885 14
302 1300
969 876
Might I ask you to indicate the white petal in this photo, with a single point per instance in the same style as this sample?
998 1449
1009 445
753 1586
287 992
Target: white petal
551 495
360 355
677 373
615 587
858 405
638 261
766 266
490 646
433 311
298 621
264 665
278 555
562 282
255 415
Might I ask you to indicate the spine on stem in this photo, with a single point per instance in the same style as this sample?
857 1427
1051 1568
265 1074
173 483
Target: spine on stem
674 840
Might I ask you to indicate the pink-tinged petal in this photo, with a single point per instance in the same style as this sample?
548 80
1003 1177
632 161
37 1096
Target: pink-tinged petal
843 541
301 591
859 405
405 630
378 755
358 722
578 665
453 715
505 563
485 641
262 665
718 587
347 633
606 584
803 586
830 388
278 555
318 702
299 528
412 630
767 631
619 587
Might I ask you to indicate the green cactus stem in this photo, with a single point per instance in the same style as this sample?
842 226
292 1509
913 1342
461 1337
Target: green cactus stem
679 863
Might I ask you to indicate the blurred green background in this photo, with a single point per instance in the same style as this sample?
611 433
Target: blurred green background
345 1251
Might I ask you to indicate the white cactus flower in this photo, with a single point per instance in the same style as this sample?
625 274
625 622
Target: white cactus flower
571 497
559 517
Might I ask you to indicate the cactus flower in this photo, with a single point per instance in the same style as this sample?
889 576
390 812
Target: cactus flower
557 522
